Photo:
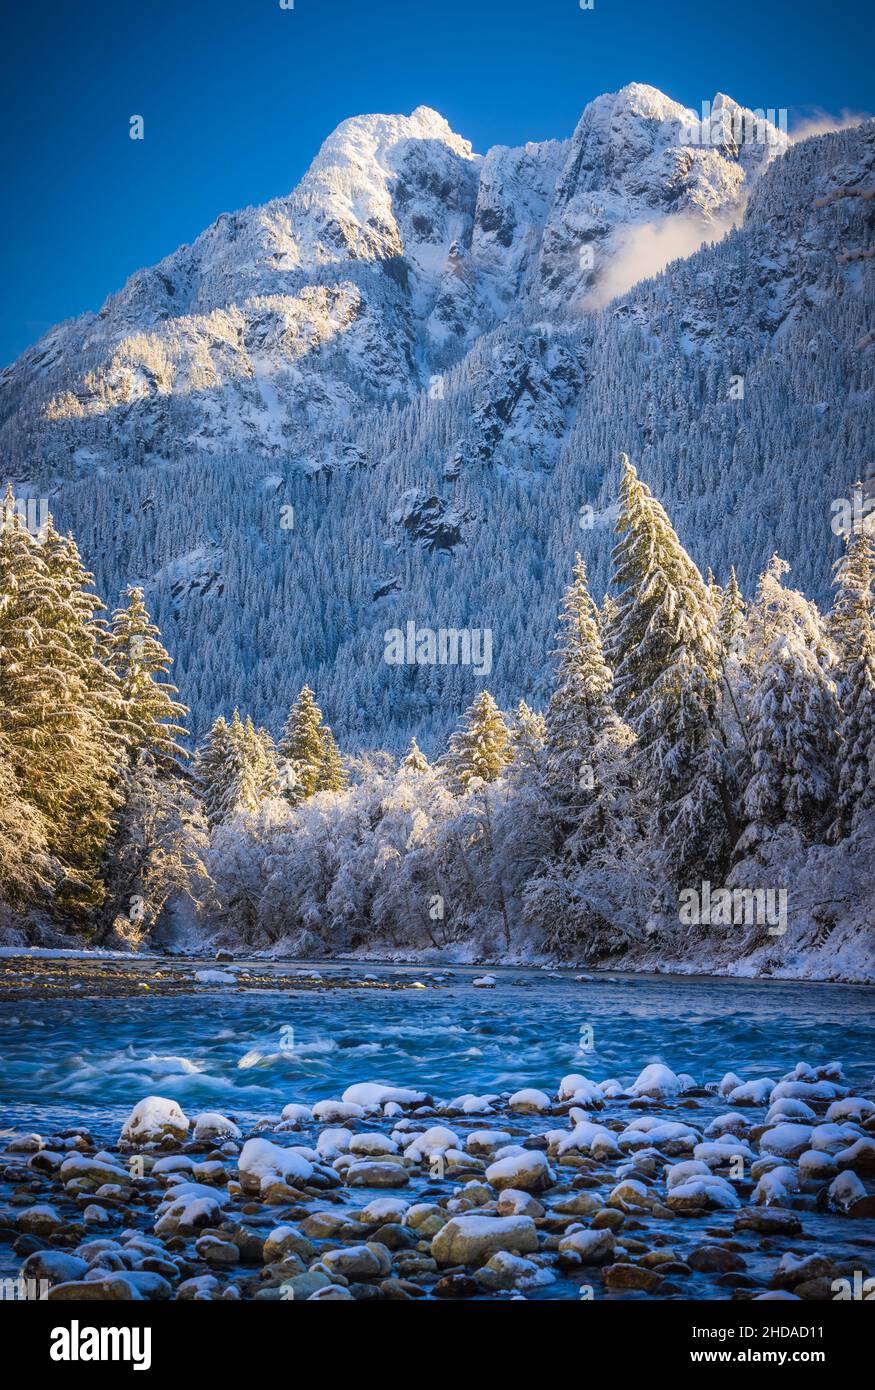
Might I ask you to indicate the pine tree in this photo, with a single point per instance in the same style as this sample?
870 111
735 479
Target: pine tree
332 777
664 652
731 618
231 769
264 754
856 786
480 749
852 624
150 715
27 871
213 770
302 744
415 760
851 613
794 722
56 703
581 705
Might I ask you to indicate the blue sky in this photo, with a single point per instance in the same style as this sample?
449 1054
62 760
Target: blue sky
237 96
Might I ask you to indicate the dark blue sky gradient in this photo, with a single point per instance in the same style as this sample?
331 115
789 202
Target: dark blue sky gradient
237 96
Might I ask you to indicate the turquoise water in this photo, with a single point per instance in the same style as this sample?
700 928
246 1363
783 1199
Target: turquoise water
88 1060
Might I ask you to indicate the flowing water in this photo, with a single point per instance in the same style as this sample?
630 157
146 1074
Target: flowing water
75 1057
88 1060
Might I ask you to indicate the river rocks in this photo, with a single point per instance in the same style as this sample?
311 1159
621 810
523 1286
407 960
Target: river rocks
581 1091
632 1277
286 1240
787 1140
54 1266
528 1172
262 1163
152 1121
486 1141
529 1102
794 1270
845 1192
859 1157
372 1096
39 1220
627 1201
816 1168
112 1289
633 1195
513 1202
358 1261
211 1126
470 1240
657 1082
87 1174
751 1092
715 1259
587 1247
337 1111
776 1187
506 1271
189 1207
456 1285
768 1222
711 1193
216 1251
372 1173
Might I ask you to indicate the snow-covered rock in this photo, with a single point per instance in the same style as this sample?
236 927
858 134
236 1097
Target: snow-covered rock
262 1163
470 1240
153 1119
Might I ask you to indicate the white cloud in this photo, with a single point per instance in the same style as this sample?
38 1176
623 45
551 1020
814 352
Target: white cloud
647 249
822 123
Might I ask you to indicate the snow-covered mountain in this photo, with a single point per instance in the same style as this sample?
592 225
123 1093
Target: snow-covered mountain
419 356
399 247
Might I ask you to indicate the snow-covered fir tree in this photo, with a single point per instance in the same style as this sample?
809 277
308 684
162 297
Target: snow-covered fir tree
664 652
794 726
480 749
56 703
150 715
308 748
414 760
852 624
581 705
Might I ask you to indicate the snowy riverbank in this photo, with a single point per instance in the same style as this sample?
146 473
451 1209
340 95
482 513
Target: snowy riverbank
663 1187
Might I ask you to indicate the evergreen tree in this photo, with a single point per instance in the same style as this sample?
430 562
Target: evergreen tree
852 624
56 703
332 777
731 618
27 871
480 749
581 705
264 755
856 786
302 744
851 613
150 715
232 769
664 651
415 760
794 722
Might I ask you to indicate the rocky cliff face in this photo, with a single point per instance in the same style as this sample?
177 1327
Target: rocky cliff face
397 250
431 360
